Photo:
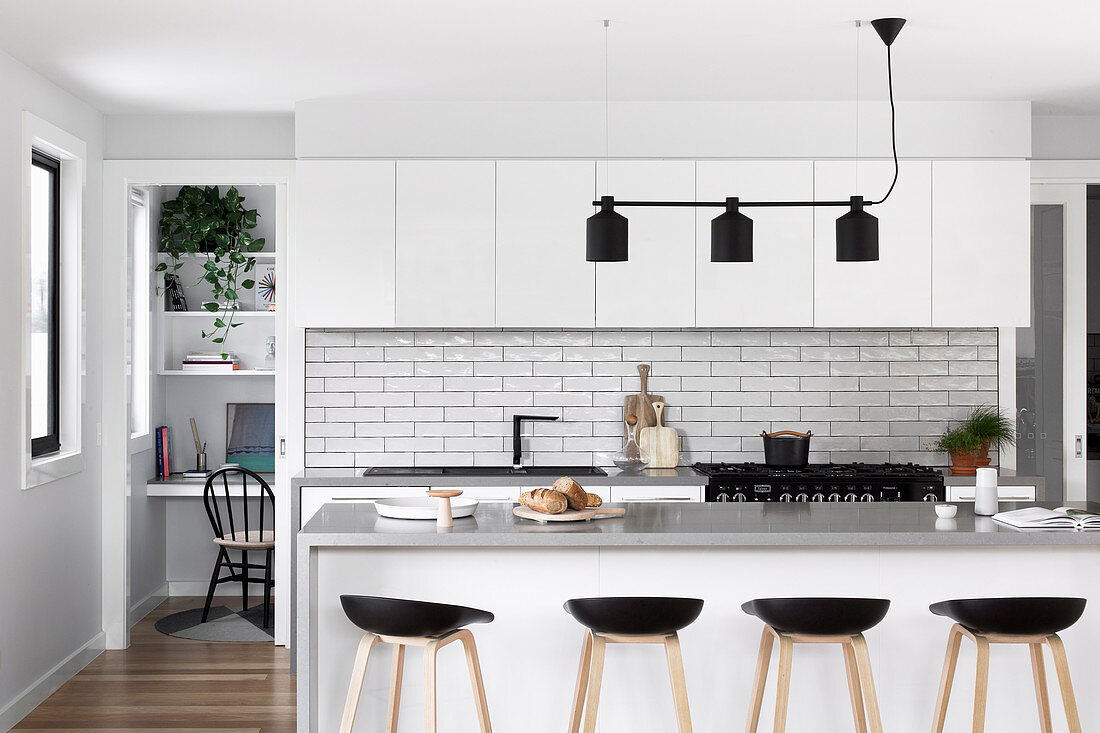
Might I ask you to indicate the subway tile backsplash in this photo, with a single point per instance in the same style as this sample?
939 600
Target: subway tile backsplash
388 397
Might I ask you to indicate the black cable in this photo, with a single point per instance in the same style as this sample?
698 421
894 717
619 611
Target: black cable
893 126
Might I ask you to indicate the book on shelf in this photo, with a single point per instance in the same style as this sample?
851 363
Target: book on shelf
199 362
163 453
1037 517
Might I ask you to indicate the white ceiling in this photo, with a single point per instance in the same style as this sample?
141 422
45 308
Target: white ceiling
160 56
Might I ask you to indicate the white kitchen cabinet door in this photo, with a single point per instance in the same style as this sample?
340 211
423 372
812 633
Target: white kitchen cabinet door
776 288
981 243
656 493
897 289
542 278
656 287
1004 493
446 243
342 264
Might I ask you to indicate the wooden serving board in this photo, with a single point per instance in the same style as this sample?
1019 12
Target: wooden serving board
660 443
641 405
569 515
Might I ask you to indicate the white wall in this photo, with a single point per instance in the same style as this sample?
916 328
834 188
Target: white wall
1065 137
200 137
50 536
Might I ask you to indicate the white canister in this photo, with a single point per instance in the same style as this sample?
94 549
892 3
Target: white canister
985 492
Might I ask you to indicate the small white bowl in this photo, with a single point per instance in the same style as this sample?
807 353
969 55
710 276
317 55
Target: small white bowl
946 511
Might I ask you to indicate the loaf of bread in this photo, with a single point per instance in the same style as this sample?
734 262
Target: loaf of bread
546 501
573 491
593 501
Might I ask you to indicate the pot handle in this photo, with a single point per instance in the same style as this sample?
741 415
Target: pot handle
786 432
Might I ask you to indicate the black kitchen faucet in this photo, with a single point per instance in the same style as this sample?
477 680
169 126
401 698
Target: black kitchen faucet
517 428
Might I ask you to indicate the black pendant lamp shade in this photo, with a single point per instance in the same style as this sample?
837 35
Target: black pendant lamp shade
606 236
857 235
731 235
888 29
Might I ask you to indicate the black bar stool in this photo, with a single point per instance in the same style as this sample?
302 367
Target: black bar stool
629 621
793 621
1031 621
403 623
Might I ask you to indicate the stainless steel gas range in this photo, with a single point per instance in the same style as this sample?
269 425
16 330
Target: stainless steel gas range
835 482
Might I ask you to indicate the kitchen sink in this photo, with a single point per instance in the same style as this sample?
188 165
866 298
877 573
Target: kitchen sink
485 471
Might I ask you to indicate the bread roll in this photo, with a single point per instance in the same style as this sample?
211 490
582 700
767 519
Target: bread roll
578 499
593 501
546 501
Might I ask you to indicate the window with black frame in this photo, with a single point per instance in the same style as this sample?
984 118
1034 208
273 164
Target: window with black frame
45 337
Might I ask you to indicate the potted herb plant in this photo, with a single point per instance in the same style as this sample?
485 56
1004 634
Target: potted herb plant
991 428
962 446
200 220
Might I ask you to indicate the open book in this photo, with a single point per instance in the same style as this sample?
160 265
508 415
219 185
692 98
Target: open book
1038 518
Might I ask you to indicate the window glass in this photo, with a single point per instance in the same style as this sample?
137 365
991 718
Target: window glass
44 340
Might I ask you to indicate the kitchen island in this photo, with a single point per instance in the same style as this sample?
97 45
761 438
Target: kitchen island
723 553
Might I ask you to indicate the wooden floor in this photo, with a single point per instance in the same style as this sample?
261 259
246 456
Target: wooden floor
163 684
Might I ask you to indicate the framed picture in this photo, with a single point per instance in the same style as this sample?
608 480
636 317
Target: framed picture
250 435
265 287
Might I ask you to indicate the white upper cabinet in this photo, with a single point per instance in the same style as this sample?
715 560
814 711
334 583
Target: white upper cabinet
342 263
981 245
446 243
776 288
542 278
656 287
897 289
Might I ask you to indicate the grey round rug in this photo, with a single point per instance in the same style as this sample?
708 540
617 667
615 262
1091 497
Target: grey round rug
223 624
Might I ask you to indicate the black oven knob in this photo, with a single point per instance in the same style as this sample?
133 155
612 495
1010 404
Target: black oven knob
785 496
739 497
819 497
723 496
834 496
802 496
930 496
867 497
851 496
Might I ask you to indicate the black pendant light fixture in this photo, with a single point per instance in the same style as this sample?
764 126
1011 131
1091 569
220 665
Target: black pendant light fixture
731 235
731 232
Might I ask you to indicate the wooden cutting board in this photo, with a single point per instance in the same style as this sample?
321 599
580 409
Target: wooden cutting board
569 515
661 443
641 405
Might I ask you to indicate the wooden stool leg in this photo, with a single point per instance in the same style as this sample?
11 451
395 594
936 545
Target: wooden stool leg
763 659
1038 670
1061 666
867 682
679 683
783 684
595 677
474 665
855 690
954 641
981 683
582 684
358 671
397 669
430 650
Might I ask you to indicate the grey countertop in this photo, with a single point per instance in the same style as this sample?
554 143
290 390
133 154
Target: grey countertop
695 524
682 476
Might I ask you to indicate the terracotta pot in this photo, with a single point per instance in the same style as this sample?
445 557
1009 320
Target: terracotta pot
983 458
964 463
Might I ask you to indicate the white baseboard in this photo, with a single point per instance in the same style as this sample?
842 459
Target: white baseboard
141 609
49 683
199 588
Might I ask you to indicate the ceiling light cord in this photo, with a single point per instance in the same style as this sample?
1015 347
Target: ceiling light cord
893 126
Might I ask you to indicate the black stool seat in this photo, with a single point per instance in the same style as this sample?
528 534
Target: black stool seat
1033 616
399 617
635 616
818 616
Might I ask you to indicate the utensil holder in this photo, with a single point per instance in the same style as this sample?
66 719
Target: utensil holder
200 461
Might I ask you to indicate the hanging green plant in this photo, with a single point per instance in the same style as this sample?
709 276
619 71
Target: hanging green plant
200 221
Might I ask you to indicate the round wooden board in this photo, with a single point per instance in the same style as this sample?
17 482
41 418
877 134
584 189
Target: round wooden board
569 515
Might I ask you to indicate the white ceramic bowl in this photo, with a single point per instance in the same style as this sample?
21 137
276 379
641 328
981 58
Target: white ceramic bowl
946 511
423 508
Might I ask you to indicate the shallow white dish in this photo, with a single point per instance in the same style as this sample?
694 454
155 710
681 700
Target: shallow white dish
423 508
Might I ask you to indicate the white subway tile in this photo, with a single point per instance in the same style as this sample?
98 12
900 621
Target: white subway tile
918 398
831 384
443 459
622 338
741 338
414 445
562 338
859 399
415 414
771 353
443 338
444 399
982 368
591 384
972 338
892 384
503 399
829 413
532 353
927 337
327 399
800 338
473 444
443 429
682 368
353 414
741 368
562 399
414 353
384 369
800 369
860 368
384 338
503 338
681 338
859 338
330 430
384 399
384 429
473 353
503 368
532 384
948 353
415 384
329 369
592 414
920 368
354 445
472 384
936 383
651 353
560 368
354 384
444 369
741 399
329 338
592 353
799 399
369 459
355 353
474 414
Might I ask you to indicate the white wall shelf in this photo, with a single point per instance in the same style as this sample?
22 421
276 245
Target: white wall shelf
208 314
237 373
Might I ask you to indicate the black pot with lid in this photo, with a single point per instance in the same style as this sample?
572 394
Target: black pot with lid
786 448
